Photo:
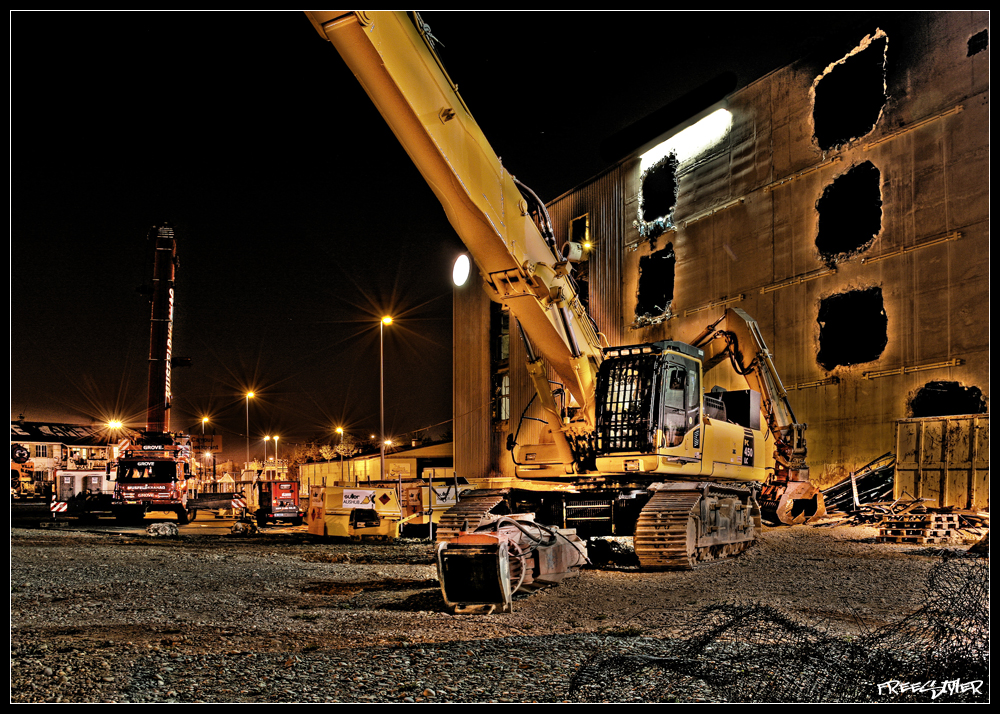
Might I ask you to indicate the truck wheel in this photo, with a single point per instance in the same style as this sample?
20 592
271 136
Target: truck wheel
297 521
192 514
182 516
261 519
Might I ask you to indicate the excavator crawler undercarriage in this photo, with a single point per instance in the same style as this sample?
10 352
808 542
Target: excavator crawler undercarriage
683 524
485 557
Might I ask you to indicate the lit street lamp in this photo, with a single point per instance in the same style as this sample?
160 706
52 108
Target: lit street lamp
381 362
114 429
460 273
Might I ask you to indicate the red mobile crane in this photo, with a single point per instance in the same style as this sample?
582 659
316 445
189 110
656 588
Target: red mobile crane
151 474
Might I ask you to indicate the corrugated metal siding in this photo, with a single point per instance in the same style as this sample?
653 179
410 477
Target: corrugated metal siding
605 199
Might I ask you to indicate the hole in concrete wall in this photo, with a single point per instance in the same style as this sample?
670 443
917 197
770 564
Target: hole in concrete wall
579 229
850 213
659 190
850 94
656 287
978 42
658 197
946 399
852 328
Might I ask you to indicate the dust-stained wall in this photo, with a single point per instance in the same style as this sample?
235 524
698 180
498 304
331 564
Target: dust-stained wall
862 252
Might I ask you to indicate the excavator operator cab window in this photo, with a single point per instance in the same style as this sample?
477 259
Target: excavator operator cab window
672 420
692 391
679 402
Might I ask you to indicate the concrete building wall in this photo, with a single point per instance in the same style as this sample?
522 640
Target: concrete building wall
471 379
846 209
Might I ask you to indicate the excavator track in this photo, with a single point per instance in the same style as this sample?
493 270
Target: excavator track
666 532
466 515
670 533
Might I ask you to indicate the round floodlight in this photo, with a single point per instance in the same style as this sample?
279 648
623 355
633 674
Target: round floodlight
460 273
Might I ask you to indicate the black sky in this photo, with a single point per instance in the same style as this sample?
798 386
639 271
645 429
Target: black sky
300 221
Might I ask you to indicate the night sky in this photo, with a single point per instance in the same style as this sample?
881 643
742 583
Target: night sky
300 220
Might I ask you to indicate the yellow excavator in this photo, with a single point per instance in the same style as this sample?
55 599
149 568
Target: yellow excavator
632 425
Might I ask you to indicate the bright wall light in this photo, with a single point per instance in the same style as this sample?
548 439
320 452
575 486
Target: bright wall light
689 142
460 273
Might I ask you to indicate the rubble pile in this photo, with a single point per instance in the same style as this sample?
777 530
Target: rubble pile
870 486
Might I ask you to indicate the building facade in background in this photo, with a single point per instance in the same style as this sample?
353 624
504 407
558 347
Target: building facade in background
71 447
841 201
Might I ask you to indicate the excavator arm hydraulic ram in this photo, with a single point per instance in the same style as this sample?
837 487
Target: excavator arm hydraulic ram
788 496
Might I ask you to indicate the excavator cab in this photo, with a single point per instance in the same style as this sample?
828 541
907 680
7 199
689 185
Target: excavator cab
648 402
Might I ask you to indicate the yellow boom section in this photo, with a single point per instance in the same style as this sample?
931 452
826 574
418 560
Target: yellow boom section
403 77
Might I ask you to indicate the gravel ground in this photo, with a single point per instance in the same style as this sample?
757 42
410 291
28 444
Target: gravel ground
107 618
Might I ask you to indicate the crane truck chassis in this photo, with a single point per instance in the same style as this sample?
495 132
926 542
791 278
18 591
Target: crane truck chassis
636 447
151 477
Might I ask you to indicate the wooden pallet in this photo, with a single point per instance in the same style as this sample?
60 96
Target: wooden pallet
936 520
918 528
920 539
930 532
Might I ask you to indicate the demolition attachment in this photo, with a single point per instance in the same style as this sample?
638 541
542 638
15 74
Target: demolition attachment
480 571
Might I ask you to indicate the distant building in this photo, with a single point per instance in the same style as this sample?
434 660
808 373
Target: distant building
403 464
62 446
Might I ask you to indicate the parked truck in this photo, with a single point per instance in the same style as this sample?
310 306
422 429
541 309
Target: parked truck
270 502
151 475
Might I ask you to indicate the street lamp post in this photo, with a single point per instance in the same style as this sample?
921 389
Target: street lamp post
368 471
204 420
275 457
341 432
266 439
249 397
114 429
381 362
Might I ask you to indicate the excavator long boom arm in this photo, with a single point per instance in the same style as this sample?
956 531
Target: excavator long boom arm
390 53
